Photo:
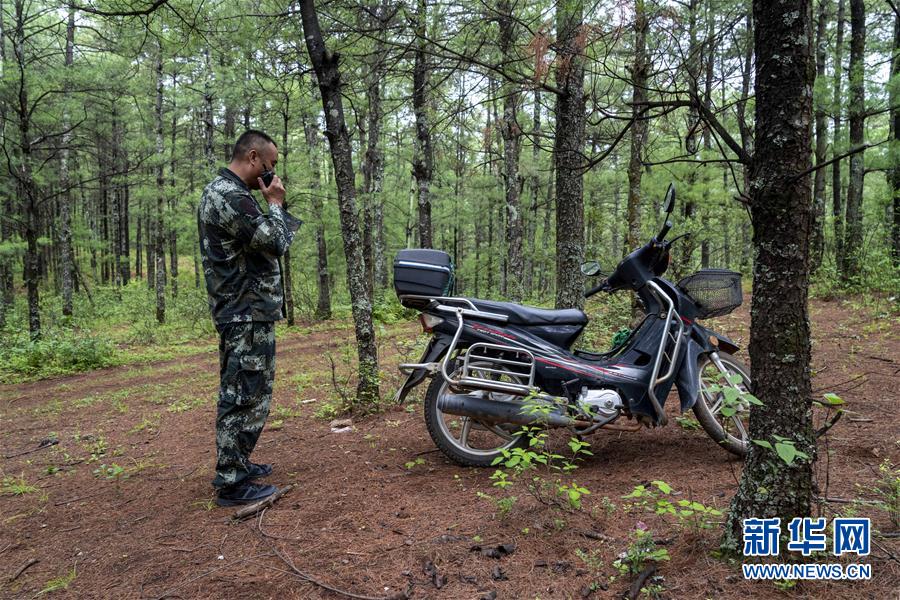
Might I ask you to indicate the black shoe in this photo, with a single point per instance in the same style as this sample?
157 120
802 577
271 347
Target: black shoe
244 493
257 471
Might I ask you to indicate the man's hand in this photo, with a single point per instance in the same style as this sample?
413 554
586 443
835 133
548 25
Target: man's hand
274 194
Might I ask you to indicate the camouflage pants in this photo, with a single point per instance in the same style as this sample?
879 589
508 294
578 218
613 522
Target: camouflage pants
246 371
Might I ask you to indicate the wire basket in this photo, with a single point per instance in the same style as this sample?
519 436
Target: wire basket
716 292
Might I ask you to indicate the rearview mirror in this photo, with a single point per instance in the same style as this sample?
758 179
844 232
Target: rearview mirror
591 267
669 202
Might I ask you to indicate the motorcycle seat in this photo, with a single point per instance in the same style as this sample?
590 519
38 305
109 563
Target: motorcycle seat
529 315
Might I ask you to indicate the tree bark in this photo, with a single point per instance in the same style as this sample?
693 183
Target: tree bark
837 146
285 152
323 303
568 150
423 157
857 114
638 131
159 240
27 191
817 238
512 134
779 329
66 257
894 172
325 64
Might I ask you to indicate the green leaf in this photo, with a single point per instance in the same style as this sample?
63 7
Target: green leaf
786 451
664 487
735 379
763 443
833 399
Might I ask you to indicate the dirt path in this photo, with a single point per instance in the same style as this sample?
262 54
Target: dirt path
121 506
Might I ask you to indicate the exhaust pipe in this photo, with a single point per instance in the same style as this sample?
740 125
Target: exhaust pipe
487 410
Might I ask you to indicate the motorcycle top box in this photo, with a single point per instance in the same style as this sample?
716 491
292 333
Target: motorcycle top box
422 272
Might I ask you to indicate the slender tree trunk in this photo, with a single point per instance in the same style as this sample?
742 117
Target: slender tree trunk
325 64
638 130
160 194
535 185
208 120
817 240
323 304
837 147
6 229
138 241
376 116
65 210
779 329
285 152
857 114
512 134
568 149
173 195
26 189
423 157
894 171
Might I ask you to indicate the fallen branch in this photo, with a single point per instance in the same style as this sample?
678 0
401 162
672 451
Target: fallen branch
635 589
43 444
22 569
310 579
259 527
249 511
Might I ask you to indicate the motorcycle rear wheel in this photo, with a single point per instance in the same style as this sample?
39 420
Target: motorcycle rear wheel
466 441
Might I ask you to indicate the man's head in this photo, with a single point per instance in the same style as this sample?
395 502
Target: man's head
254 153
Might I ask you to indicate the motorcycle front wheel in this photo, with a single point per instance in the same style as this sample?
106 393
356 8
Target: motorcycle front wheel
464 440
731 428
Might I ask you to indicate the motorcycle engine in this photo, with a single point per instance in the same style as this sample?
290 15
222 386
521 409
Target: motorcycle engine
601 404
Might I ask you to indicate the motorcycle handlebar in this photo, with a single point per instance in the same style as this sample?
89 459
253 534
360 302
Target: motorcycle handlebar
595 289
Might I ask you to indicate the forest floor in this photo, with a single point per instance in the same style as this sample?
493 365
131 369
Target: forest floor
121 506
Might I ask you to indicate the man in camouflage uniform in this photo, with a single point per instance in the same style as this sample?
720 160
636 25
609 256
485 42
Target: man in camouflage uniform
241 247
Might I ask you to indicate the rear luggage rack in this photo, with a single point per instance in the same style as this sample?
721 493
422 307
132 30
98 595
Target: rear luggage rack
484 364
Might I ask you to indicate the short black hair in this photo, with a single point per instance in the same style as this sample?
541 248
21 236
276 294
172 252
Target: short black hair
252 138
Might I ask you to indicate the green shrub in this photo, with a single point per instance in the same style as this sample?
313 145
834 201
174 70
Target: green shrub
56 352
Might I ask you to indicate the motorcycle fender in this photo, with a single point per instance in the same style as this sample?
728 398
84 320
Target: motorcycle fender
435 350
688 384
722 341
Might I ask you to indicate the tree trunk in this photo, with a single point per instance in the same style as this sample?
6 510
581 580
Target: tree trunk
160 194
894 172
857 114
837 209
817 235
26 189
208 124
779 329
568 148
325 64
67 265
323 304
512 134
638 131
173 235
423 157
285 152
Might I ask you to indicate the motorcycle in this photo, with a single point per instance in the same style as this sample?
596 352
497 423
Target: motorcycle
498 366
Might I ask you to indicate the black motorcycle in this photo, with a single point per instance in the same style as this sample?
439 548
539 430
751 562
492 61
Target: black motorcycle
496 366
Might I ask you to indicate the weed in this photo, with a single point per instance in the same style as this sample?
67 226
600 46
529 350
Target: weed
641 550
59 583
17 486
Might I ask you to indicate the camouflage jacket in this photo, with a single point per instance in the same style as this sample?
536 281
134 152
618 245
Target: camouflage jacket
240 247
